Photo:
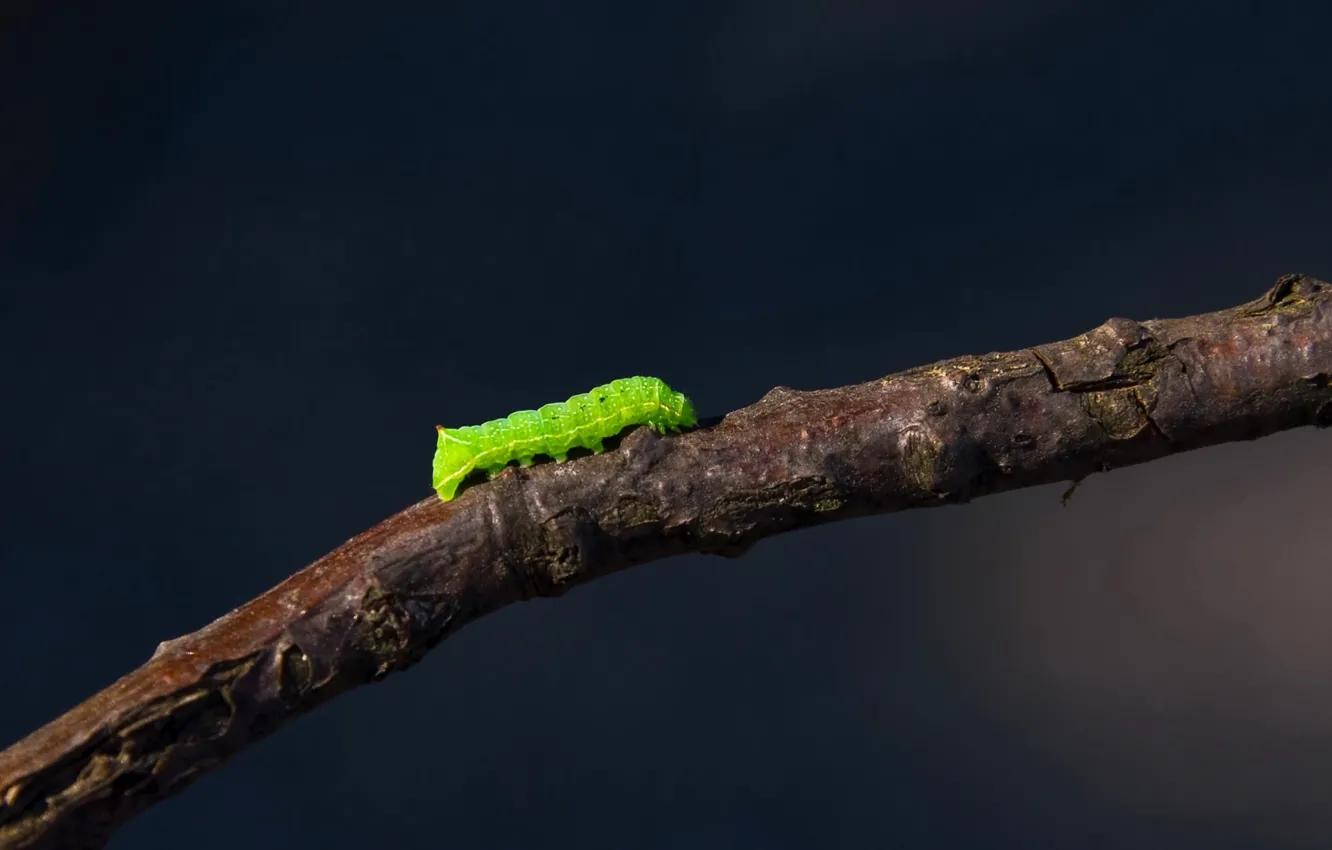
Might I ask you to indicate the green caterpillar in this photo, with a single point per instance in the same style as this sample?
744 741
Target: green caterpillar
581 422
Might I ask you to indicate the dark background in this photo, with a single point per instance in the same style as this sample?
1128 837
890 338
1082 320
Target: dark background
251 253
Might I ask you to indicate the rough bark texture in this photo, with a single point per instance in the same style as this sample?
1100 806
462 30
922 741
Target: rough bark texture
1124 393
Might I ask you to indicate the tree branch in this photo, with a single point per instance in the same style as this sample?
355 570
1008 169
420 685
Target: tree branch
1124 393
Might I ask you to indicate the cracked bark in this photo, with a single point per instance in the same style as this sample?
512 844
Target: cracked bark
1124 393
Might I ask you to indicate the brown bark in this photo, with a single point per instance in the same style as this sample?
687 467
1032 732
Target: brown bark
1124 393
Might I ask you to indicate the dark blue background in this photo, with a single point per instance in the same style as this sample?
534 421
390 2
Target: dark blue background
251 253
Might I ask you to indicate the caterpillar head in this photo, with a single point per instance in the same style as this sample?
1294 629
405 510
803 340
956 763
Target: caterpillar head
454 454
684 411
